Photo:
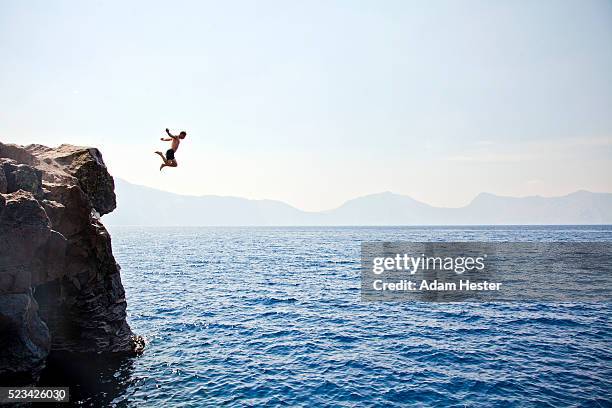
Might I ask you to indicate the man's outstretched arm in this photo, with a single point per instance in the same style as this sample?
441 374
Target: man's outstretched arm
170 134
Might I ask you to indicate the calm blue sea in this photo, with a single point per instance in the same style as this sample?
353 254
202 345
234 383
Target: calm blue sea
272 316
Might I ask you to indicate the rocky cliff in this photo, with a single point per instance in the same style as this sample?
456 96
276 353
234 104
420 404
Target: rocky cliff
60 287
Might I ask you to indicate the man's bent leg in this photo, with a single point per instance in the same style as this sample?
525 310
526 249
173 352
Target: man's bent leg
162 156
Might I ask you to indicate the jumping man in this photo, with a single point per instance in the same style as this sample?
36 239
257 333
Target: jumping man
168 159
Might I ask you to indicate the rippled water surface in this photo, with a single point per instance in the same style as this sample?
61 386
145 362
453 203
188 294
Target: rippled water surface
272 316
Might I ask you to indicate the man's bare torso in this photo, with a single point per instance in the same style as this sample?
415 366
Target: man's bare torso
175 143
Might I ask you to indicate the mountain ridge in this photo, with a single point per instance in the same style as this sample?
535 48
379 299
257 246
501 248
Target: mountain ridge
384 208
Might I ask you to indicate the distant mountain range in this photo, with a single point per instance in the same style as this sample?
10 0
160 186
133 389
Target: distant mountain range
139 205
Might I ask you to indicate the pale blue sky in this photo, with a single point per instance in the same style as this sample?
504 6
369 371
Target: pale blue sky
316 102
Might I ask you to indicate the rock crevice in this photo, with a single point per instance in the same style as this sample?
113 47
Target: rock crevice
60 286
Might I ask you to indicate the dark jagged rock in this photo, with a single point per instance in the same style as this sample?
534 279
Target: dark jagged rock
60 287
22 177
24 342
3 181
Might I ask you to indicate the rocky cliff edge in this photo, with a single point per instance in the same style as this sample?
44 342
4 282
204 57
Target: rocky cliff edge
60 287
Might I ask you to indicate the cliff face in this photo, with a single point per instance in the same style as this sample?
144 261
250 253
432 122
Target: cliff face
60 287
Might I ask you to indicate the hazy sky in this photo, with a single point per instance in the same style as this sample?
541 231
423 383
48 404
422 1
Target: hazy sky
316 102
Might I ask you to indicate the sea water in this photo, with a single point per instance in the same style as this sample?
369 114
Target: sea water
272 316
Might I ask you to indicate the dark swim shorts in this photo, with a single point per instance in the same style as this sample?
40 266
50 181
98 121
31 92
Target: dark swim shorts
170 154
